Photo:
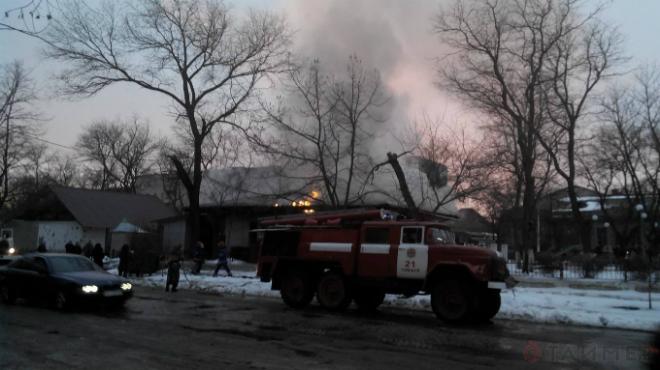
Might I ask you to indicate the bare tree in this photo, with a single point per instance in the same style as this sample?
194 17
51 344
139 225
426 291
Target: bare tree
36 156
63 169
499 51
121 152
325 126
625 160
30 17
197 54
18 125
587 54
442 166
456 166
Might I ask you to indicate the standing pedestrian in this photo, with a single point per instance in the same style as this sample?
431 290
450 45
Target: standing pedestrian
223 254
88 249
124 260
97 254
173 269
42 248
68 247
198 257
77 249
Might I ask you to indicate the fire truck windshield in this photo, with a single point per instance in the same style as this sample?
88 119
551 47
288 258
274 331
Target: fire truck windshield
441 236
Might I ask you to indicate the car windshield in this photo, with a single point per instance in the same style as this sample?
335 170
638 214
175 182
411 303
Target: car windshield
71 264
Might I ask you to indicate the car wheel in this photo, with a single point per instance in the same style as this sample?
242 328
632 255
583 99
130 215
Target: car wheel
452 300
60 302
296 290
333 292
7 295
488 305
368 300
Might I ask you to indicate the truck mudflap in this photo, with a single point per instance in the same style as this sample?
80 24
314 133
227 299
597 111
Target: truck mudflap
508 283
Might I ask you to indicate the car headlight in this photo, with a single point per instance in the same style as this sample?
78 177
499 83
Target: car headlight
11 251
126 286
90 289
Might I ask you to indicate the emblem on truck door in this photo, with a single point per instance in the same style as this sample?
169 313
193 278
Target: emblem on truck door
411 253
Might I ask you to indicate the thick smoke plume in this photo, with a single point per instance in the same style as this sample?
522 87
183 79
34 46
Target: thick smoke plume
391 35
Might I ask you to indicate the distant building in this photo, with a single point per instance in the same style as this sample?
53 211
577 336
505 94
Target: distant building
473 228
83 216
558 230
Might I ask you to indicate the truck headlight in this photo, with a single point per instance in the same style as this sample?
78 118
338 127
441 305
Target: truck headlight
126 286
11 251
90 289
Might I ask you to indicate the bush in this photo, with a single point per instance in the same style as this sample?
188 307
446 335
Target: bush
548 261
637 266
589 263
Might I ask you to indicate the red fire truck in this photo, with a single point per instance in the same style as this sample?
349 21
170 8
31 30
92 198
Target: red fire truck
361 255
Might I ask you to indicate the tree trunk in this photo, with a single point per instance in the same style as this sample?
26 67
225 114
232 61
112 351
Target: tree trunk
583 229
392 159
529 213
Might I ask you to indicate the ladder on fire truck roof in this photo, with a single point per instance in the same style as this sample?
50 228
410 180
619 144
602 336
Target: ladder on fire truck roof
331 217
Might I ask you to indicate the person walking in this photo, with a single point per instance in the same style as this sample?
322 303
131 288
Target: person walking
198 257
173 270
124 260
223 255
97 255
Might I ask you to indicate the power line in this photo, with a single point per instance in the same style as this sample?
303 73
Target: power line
50 142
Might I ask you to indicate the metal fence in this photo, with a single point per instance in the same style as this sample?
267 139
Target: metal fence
572 271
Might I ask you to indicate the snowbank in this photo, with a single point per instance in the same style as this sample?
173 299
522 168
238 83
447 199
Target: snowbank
625 309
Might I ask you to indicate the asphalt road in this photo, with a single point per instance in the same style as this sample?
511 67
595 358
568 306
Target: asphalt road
192 330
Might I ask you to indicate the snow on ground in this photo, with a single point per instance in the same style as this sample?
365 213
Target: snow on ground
625 309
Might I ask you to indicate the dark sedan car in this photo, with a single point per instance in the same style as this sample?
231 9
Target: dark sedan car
62 280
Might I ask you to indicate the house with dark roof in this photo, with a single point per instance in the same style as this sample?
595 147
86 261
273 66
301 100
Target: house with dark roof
62 215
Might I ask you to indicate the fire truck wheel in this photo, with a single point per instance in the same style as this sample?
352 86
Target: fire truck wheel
333 292
295 290
452 300
368 300
488 304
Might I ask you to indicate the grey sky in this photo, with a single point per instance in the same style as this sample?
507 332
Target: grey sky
392 35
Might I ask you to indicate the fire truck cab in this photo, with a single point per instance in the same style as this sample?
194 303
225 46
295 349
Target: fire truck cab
362 255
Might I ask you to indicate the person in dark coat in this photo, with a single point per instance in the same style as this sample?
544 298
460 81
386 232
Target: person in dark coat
42 248
77 249
97 255
173 270
68 247
88 249
198 257
124 260
223 255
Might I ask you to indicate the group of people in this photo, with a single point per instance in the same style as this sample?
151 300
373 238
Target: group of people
95 252
175 261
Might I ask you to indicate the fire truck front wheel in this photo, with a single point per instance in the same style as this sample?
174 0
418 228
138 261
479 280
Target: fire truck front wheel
296 290
452 300
488 304
333 292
